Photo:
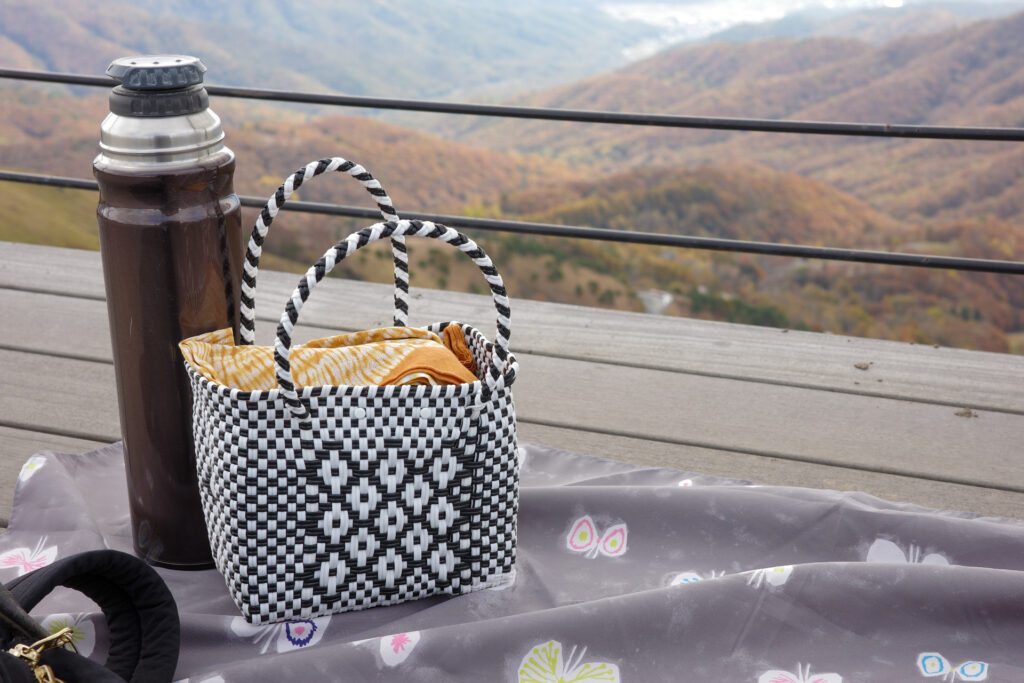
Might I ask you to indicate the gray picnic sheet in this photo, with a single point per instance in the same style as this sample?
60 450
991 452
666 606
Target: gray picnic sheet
624 573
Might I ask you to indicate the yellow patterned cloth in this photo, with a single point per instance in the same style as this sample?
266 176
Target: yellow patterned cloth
390 355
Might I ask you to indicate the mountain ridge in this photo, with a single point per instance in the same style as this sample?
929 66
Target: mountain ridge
387 48
43 132
929 197
970 76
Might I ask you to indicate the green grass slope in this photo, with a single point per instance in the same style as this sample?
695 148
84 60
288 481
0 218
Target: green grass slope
49 215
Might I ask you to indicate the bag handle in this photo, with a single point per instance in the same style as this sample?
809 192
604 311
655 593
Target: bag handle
141 614
274 204
494 378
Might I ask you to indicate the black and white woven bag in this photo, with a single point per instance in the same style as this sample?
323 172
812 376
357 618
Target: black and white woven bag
335 498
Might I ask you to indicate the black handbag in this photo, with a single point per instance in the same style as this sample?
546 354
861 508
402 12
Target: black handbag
142 620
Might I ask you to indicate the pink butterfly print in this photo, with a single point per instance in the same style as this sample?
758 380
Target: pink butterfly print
26 560
802 675
396 648
398 642
584 538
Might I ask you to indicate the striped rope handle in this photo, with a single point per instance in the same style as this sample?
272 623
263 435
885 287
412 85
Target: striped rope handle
494 379
274 204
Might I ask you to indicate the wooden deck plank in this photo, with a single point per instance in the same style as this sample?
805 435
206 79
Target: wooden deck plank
55 324
714 349
22 443
17 445
777 472
725 399
952 377
51 269
795 424
78 327
811 426
63 396
97 412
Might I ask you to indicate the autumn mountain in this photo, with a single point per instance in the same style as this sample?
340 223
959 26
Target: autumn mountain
384 48
56 133
744 201
48 131
969 76
950 198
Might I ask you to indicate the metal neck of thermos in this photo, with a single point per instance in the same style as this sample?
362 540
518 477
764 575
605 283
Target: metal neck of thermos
159 116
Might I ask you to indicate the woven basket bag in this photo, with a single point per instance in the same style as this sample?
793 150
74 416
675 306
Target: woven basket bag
323 499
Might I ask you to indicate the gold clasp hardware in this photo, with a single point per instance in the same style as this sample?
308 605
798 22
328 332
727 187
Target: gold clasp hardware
30 654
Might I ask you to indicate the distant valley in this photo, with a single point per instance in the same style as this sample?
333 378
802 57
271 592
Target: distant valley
938 197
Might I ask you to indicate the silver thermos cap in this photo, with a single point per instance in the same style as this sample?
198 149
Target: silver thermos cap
160 115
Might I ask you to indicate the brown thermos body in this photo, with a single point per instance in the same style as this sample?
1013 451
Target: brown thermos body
171 244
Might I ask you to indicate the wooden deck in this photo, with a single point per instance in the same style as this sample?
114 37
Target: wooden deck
938 427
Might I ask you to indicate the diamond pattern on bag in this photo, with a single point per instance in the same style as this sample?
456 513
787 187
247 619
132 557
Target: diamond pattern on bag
357 519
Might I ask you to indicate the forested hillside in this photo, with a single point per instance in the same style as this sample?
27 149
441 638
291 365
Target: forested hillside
971 76
758 203
384 48
931 197
56 133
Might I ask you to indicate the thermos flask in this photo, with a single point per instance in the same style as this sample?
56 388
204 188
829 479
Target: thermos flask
171 244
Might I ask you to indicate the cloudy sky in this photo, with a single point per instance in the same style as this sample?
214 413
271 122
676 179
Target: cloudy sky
683 20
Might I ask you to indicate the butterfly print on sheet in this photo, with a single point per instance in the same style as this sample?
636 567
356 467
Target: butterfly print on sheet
932 664
584 538
396 648
769 576
802 675
83 630
545 664
520 457
31 466
883 550
282 637
684 578
25 560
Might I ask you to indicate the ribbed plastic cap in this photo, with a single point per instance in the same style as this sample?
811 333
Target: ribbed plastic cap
157 72
158 85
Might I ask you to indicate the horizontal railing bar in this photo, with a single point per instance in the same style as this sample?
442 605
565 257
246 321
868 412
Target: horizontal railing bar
886 130
50 180
602 234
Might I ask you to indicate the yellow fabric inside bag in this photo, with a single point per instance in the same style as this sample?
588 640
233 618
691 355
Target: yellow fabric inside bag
390 355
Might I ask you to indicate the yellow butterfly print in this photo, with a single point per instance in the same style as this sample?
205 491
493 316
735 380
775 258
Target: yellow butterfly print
544 664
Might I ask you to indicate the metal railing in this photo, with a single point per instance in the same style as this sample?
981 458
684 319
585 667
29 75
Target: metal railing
596 117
